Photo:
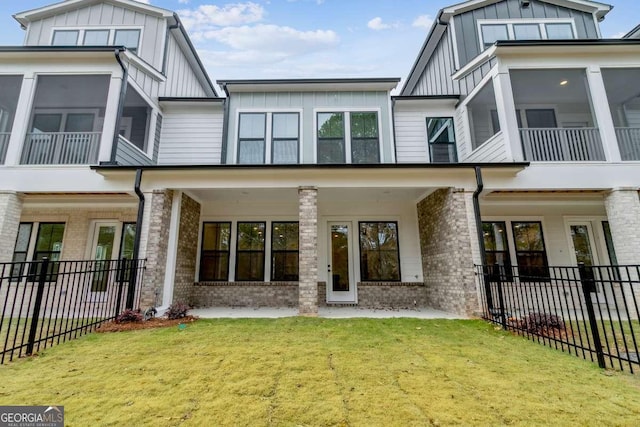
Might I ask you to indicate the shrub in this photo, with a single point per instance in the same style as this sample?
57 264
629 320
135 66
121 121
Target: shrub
129 316
543 323
177 310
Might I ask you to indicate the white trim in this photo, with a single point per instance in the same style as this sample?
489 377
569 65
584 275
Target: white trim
351 296
454 42
172 250
581 5
541 22
110 38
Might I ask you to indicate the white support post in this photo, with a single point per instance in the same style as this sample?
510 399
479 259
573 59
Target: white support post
110 113
21 122
172 250
506 108
602 112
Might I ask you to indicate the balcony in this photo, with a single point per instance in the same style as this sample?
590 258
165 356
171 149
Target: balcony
629 143
4 143
561 144
61 148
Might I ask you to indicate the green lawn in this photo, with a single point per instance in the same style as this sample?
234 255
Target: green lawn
301 371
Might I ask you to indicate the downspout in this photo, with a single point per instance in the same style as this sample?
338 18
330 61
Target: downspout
393 128
483 250
225 131
136 240
121 100
166 43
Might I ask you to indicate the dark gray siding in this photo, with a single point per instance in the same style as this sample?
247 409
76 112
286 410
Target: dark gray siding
156 138
436 77
466 27
471 80
129 155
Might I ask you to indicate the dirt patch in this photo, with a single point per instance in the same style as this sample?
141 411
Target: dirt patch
155 322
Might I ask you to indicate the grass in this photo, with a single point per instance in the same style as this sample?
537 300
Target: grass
299 371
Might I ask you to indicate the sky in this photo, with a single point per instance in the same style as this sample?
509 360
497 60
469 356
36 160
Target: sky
266 39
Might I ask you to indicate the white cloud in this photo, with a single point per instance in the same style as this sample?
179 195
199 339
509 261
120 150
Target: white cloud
144 1
377 24
208 15
423 21
274 39
183 1
619 35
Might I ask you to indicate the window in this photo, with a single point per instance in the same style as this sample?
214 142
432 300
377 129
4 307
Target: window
21 249
250 251
541 118
379 255
96 38
442 139
559 31
285 139
127 243
331 141
214 256
65 37
531 255
496 247
284 251
527 32
365 144
49 245
128 39
251 138
491 33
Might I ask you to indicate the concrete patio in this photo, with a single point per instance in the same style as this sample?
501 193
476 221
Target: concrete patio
326 312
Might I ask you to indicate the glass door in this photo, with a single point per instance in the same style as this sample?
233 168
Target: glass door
584 247
104 241
340 281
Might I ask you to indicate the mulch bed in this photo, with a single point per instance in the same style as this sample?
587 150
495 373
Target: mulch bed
154 322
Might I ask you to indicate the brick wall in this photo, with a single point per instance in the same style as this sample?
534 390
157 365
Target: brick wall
187 249
308 255
244 294
10 210
623 212
156 250
447 257
392 295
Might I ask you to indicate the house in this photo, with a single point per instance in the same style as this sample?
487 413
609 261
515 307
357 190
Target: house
515 140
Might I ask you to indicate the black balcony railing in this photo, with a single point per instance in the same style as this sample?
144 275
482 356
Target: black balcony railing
43 303
591 312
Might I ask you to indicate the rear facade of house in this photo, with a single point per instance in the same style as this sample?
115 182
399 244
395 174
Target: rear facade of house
515 140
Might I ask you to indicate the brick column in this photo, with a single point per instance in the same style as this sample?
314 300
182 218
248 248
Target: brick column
10 211
187 249
623 212
446 249
156 248
308 255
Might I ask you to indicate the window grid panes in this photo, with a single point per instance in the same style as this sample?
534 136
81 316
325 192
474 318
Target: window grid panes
285 138
65 37
128 39
531 254
127 242
379 254
559 31
494 32
20 250
442 140
365 141
331 141
284 251
214 255
49 245
496 247
251 138
96 37
250 251
527 32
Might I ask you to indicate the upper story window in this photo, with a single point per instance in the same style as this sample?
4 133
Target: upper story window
127 37
442 139
493 30
352 137
268 138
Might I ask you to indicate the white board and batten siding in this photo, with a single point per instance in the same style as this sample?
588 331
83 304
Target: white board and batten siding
181 79
108 16
191 135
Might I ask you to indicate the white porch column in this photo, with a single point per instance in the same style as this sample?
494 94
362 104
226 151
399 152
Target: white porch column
602 112
308 255
110 113
506 108
10 211
21 121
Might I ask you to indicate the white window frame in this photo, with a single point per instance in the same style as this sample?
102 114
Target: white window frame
510 23
268 140
347 129
110 39
64 112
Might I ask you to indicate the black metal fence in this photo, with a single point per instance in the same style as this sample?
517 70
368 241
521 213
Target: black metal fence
45 302
591 312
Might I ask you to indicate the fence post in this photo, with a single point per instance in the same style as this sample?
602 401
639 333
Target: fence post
133 274
487 287
588 286
503 317
122 265
42 278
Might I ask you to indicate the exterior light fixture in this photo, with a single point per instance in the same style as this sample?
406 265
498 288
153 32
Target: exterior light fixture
564 82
